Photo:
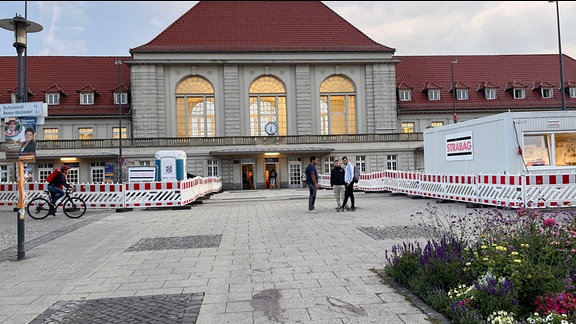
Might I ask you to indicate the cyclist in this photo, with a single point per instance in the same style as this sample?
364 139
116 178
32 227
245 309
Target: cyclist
56 181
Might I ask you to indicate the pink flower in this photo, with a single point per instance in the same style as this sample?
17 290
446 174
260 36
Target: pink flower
549 222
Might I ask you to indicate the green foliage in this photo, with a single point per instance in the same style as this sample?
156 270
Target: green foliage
496 266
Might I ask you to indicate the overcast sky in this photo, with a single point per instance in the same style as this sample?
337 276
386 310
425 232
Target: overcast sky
112 28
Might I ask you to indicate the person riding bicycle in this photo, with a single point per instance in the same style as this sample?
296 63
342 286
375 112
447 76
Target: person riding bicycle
56 181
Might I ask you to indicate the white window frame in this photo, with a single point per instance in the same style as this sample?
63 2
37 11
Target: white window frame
572 92
53 98
213 168
433 94
547 93
328 162
392 162
405 94
490 93
4 173
519 93
87 98
123 98
44 170
73 175
462 94
13 97
361 163
97 172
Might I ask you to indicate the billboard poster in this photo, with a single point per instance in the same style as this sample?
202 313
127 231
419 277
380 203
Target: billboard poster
20 138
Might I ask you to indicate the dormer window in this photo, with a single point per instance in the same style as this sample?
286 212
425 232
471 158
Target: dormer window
547 92
490 93
87 98
404 92
53 98
462 94
433 94
519 93
572 92
13 97
120 98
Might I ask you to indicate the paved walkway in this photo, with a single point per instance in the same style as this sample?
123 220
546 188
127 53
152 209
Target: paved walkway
237 257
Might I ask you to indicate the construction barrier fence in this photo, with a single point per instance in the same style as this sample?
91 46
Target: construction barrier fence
123 195
514 191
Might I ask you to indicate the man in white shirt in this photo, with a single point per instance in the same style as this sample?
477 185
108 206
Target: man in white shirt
349 184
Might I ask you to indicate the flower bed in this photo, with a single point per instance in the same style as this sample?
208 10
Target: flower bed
494 266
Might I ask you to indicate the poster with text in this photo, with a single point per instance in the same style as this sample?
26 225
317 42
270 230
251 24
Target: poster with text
20 138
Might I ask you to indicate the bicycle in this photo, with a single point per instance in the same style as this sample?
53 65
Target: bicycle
40 207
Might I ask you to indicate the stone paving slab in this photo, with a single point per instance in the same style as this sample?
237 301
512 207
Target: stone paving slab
273 262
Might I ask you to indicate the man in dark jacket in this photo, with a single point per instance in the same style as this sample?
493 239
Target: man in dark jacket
338 185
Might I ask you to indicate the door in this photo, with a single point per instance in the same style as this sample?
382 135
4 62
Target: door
271 176
248 176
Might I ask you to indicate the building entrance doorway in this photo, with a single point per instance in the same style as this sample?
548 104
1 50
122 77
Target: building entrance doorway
247 176
272 176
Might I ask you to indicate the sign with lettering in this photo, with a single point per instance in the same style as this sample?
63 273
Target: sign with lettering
459 147
24 109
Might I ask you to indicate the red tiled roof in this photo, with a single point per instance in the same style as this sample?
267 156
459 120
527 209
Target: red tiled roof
261 26
68 75
502 72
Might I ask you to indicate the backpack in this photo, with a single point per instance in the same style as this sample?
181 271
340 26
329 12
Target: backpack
52 176
356 175
303 177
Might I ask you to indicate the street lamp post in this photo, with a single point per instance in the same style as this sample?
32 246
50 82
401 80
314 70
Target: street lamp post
454 61
119 98
21 27
563 105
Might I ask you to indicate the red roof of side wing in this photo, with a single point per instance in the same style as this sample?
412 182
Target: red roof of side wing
261 26
68 75
476 72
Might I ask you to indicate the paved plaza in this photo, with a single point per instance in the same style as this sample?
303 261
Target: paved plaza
236 257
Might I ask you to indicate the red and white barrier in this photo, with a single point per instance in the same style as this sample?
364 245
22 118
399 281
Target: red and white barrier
124 195
514 191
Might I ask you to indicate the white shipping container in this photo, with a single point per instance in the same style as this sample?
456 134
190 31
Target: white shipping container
507 143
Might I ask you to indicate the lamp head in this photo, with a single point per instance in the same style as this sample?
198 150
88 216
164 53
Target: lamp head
21 27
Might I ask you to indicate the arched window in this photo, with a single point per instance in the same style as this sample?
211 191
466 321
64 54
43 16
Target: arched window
195 115
337 106
267 104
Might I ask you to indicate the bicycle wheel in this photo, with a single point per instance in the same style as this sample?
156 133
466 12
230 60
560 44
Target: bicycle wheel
74 207
38 208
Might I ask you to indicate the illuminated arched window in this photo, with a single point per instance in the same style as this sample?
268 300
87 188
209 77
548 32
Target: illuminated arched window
267 104
337 106
195 115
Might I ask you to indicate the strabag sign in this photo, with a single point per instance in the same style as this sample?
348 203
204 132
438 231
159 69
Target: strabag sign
459 147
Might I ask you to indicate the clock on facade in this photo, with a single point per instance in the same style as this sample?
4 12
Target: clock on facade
271 128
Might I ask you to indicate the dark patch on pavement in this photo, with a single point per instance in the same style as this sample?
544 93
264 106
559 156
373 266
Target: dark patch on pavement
268 302
393 232
175 243
166 309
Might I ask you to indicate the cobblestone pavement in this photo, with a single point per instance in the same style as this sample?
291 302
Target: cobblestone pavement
238 257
